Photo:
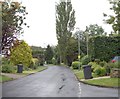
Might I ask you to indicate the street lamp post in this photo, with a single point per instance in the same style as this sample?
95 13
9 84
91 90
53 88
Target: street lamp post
78 46
87 42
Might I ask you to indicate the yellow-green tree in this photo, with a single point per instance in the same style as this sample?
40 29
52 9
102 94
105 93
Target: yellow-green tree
21 54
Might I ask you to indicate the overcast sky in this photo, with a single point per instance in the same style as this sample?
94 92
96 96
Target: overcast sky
41 19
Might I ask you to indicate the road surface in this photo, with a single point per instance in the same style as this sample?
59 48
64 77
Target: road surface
56 81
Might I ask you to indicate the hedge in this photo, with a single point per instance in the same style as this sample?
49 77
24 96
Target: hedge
104 47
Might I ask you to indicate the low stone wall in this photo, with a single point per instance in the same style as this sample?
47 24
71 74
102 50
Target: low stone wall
115 73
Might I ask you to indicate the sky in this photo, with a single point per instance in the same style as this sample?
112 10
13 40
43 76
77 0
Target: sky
41 19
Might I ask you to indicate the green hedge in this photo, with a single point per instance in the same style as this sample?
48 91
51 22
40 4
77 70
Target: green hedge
76 64
104 47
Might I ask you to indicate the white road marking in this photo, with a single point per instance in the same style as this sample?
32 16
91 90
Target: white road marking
79 93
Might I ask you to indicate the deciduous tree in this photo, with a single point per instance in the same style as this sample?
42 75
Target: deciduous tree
21 54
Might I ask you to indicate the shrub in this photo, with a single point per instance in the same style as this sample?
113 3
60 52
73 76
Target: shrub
5 61
93 65
100 71
54 61
97 61
8 69
103 63
85 60
34 64
114 65
76 64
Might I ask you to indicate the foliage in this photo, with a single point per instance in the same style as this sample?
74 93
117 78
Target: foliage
103 63
38 52
54 61
76 64
7 66
71 51
8 69
5 61
65 22
21 54
104 48
34 64
81 36
114 65
93 65
97 61
13 17
95 30
49 54
85 60
114 20
100 71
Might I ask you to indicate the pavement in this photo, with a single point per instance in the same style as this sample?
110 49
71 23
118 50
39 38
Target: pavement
56 81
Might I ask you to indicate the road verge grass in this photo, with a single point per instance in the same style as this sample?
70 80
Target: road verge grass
97 81
8 76
39 69
108 82
4 78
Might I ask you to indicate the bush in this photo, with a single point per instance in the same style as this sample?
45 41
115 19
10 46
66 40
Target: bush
76 64
34 64
100 71
85 60
54 61
103 63
5 61
93 65
114 65
97 61
8 69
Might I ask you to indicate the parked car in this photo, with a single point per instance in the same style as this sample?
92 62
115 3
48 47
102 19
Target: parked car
116 59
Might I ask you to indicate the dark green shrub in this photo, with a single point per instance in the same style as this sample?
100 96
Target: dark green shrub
85 60
100 71
76 64
97 61
103 63
8 69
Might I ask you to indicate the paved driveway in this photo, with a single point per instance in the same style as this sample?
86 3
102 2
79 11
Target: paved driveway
56 81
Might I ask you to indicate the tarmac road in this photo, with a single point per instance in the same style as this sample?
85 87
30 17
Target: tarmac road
56 81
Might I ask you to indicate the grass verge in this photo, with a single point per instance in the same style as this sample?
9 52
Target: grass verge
4 78
39 69
108 82
105 82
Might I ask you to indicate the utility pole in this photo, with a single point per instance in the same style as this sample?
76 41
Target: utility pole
87 42
78 46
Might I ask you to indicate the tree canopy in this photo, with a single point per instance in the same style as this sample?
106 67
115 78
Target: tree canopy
13 17
21 54
114 19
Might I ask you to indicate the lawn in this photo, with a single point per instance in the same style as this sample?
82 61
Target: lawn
108 82
112 82
79 74
4 78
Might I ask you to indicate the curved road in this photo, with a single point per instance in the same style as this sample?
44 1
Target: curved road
56 81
